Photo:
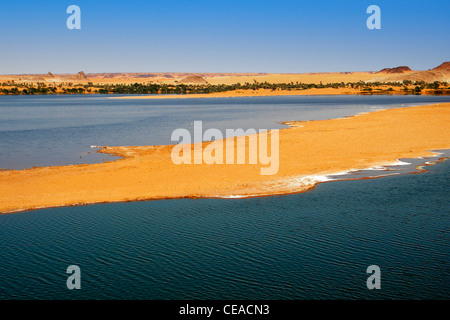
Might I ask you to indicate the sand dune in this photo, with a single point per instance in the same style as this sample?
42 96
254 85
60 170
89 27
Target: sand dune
439 73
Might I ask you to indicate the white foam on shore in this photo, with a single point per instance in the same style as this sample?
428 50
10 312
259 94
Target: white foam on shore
376 168
302 181
397 163
343 173
380 167
235 196
299 183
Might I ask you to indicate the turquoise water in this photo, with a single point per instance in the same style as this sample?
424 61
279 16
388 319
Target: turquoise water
314 245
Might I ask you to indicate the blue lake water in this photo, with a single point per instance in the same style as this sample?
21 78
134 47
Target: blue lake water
56 130
313 245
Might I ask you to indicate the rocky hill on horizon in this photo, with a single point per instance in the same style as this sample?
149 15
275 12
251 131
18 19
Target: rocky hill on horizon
401 69
396 74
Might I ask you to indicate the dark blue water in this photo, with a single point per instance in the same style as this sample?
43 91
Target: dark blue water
58 130
315 245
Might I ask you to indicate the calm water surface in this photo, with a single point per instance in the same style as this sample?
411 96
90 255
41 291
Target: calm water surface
314 245
58 130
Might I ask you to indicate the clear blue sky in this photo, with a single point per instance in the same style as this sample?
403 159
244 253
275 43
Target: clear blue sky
221 36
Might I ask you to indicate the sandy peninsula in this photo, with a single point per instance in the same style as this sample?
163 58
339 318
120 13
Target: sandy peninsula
307 150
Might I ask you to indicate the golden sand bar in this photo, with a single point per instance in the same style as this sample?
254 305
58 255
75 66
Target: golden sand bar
307 149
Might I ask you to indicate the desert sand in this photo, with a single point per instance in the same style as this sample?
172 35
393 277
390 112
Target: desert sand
307 149
269 92
95 83
187 78
247 93
439 73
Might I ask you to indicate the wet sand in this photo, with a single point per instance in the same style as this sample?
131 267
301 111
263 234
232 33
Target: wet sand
308 150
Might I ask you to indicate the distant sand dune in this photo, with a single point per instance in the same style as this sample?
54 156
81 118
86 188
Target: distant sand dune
439 73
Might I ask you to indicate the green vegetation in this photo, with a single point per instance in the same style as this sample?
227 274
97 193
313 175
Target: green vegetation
13 88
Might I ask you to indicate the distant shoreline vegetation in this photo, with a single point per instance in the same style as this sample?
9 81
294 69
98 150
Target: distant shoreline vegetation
404 87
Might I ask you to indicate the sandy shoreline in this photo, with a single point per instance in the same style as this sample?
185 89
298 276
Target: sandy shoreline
264 93
248 93
307 150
